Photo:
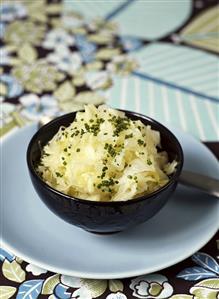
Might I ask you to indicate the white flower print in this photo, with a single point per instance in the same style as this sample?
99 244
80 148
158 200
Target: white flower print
86 288
97 80
153 286
5 112
35 107
11 11
10 86
82 293
35 270
117 295
58 37
65 60
5 55
70 281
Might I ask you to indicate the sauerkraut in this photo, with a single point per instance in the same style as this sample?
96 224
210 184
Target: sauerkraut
105 156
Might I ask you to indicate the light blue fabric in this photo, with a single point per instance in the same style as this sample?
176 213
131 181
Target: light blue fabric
184 66
190 113
145 19
175 84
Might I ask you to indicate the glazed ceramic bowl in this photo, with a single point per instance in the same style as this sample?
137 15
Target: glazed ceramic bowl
102 217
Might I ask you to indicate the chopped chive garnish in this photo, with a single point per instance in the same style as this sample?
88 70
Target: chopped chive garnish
149 162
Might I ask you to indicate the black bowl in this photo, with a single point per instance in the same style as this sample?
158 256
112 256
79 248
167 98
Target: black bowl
102 217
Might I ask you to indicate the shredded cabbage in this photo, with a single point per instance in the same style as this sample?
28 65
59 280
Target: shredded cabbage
105 156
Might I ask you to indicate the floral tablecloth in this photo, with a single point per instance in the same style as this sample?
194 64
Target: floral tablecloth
155 57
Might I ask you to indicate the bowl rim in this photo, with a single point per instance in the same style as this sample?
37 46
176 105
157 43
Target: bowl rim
173 178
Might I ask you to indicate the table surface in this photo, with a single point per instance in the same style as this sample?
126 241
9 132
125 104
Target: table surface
155 57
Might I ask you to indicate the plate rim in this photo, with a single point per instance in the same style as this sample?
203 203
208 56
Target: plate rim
119 274
123 275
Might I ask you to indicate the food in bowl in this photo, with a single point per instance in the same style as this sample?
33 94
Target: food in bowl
105 156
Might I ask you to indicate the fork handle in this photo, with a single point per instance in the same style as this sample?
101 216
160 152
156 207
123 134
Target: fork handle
199 181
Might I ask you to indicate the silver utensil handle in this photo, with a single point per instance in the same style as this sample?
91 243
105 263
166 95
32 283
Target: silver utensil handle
202 182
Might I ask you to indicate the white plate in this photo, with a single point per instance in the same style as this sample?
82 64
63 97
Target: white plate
35 234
